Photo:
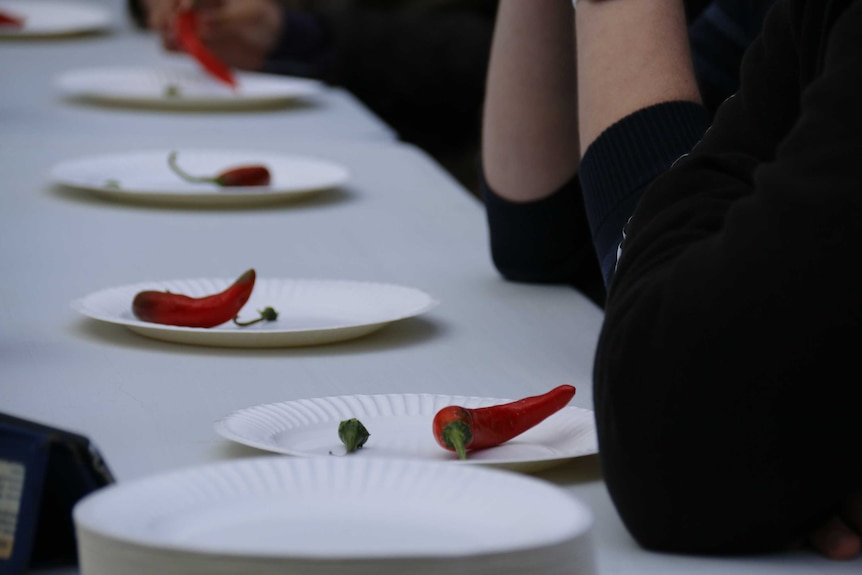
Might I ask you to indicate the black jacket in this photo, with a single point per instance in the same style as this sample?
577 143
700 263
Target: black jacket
727 376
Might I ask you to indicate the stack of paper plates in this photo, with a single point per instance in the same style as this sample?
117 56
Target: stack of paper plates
268 515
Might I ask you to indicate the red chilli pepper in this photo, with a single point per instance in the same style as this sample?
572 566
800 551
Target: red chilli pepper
7 19
187 35
235 177
462 429
209 311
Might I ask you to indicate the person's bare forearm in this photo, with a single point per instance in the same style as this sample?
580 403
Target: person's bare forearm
631 54
530 127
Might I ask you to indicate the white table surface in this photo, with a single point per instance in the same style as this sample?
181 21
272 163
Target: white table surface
149 406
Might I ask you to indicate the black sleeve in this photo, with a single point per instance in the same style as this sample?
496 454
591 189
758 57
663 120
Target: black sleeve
727 373
546 241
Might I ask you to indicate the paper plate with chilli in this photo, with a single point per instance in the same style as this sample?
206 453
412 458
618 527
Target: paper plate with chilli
309 311
400 428
148 176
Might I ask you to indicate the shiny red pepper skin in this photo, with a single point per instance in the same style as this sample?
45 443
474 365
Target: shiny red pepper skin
181 310
253 175
244 176
11 20
187 35
462 429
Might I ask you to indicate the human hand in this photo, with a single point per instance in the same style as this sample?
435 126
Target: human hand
161 17
840 537
240 32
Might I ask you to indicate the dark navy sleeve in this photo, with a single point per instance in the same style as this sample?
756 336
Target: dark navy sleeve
629 155
545 241
625 159
304 48
719 36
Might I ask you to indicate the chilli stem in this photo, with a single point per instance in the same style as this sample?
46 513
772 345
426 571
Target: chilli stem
266 314
172 162
457 435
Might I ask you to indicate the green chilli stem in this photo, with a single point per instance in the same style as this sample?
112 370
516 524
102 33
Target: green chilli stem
172 162
457 435
266 314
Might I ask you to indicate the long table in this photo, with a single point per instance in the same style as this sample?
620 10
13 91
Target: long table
149 406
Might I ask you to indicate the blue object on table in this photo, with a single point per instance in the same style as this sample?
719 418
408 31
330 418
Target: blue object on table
44 471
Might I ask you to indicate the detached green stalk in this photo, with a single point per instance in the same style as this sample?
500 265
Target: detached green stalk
352 434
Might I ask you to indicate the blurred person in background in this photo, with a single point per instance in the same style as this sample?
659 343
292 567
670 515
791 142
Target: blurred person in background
418 64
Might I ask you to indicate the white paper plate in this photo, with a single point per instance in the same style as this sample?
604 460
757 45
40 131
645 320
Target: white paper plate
332 516
146 177
54 18
400 428
148 87
311 312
